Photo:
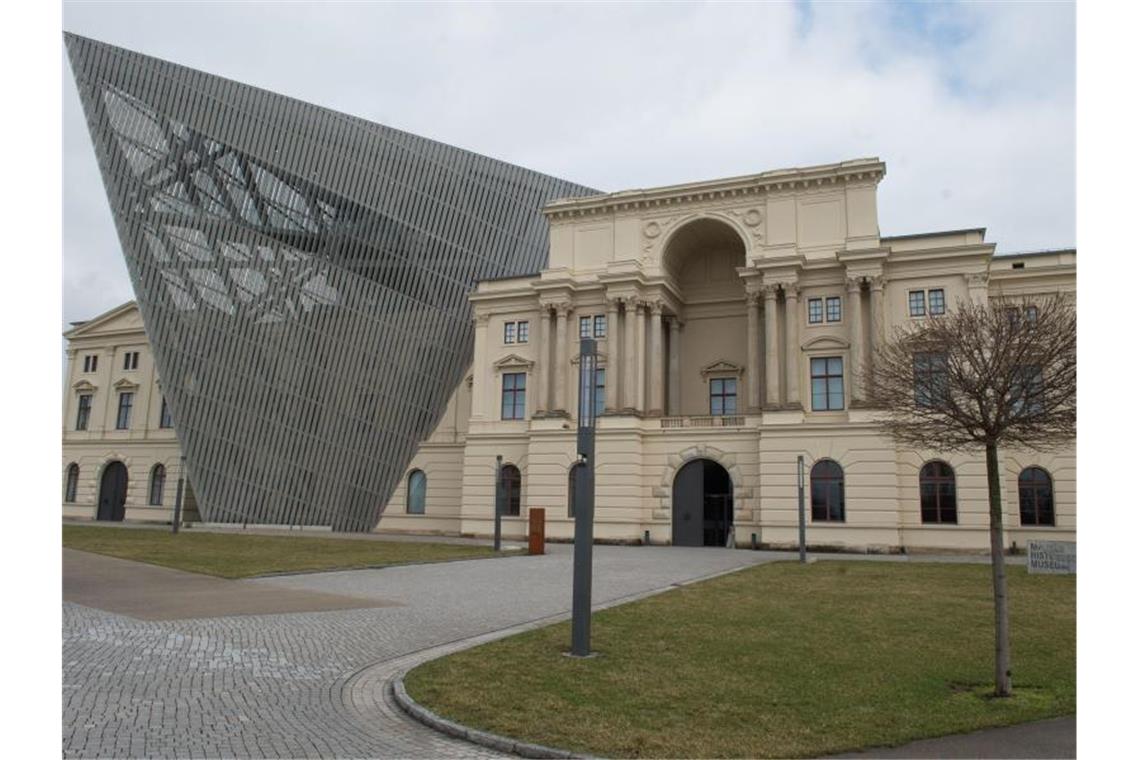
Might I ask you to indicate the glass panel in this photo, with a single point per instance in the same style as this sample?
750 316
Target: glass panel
818 367
716 404
600 326
835 366
583 327
947 501
730 404
730 386
716 386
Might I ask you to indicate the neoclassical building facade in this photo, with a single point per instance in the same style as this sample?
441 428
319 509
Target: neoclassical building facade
733 319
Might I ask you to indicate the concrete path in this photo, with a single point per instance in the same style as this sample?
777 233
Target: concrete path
1055 738
311 684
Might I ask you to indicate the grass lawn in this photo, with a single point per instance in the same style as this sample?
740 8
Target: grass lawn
781 660
231 555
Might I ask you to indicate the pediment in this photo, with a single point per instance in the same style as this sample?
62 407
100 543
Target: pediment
825 342
84 386
124 318
513 361
722 367
123 384
577 359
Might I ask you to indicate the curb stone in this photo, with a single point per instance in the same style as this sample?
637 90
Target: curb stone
475 736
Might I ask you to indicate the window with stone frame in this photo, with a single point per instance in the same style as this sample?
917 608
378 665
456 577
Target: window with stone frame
827 384
815 311
123 418
827 497
83 415
834 309
916 302
1035 497
722 396
938 493
514 396
937 300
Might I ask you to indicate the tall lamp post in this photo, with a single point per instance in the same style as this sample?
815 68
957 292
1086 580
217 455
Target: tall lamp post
584 501
178 495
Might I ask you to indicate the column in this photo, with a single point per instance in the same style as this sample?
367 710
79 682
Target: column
674 366
542 379
481 373
771 348
753 353
855 335
656 376
878 331
613 360
792 342
640 337
560 356
629 355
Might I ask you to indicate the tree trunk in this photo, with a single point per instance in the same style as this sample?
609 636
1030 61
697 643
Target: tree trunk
1002 678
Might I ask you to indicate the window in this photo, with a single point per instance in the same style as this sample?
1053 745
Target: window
599 391
931 385
84 413
827 491
917 302
722 396
815 311
509 332
512 490
126 400
164 418
827 384
937 301
834 311
157 484
72 484
1031 315
514 396
938 493
417 492
131 360
600 326
572 488
585 327
90 363
523 332
1026 391
516 332
1035 496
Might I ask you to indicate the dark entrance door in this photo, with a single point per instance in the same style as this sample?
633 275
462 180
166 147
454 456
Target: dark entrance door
702 504
113 492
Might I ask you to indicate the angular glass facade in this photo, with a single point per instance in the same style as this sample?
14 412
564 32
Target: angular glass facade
303 277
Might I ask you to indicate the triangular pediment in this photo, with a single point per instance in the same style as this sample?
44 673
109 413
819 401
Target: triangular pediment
84 386
123 384
121 319
513 361
576 359
722 367
825 342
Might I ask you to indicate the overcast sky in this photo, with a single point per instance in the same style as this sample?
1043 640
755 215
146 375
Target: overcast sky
972 107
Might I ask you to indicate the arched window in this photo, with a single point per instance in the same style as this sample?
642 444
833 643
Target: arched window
417 492
72 485
157 484
1035 495
512 490
938 493
573 489
827 491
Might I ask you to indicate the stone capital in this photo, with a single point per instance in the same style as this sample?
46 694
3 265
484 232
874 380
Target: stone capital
791 289
878 281
481 320
854 284
656 307
978 279
563 308
771 290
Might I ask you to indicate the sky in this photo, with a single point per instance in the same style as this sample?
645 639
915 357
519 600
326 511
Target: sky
971 106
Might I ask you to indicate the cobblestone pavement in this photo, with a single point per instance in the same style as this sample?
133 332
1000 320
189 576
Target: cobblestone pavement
313 684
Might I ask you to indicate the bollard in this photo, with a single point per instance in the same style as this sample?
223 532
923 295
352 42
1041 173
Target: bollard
537 530
753 542
645 541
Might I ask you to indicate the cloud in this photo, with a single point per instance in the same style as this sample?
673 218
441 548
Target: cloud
971 106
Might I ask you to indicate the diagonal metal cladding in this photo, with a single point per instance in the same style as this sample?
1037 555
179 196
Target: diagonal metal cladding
303 278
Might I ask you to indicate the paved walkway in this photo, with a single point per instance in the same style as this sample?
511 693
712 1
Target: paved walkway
311 684
1055 738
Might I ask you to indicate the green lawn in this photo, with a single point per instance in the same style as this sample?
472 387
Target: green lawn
782 660
234 555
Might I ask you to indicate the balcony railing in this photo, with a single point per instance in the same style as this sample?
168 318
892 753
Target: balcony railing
703 422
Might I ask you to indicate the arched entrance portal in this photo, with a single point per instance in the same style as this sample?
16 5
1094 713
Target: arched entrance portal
113 492
702 504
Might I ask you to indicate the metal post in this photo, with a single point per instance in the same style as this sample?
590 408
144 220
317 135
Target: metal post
178 495
499 502
584 502
803 517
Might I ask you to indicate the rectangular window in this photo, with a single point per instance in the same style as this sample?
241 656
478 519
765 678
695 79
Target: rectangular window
514 396
523 332
600 326
599 391
585 325
930 381
1026 391
834 311
722 396
164 419
937 301
827 384
815 311
917 302
90 363
131 360
123 420
84 411
1031 315
509 332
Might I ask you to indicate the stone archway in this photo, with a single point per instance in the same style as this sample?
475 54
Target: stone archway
113 492
663 492
702 504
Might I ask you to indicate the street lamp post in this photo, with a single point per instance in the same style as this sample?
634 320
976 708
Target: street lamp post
584 501
178 494
803 515
499 502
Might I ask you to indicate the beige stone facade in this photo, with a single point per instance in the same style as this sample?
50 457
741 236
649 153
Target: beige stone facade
749 285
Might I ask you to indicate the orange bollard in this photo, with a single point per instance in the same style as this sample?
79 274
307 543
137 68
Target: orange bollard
537 531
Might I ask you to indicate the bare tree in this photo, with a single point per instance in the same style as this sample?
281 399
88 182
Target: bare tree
983 376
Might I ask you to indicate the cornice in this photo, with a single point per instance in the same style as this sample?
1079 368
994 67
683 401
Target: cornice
865 170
